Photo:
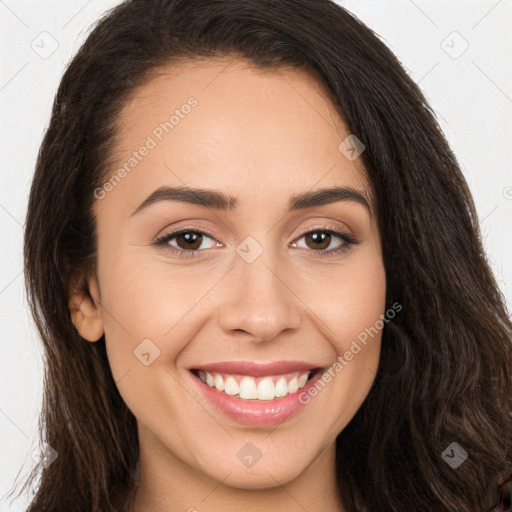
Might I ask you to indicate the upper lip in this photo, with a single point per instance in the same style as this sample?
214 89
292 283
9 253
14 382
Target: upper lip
256 369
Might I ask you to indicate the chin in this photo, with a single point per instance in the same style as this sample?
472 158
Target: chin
272 470
250 479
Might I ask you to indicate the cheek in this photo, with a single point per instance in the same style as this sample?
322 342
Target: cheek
357 317
143 291
347 298
148 307
350 304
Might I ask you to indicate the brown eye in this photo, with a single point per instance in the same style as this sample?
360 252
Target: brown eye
189 240
318 239
185 241
326 242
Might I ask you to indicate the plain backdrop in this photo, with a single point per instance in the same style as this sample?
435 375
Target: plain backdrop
458 51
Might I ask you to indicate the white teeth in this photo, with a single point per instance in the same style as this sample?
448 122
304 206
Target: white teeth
248 389
281 387
219 382
231 386
251 388
266 389
301 381
293 385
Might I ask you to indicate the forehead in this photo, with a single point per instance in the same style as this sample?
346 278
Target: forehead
225 123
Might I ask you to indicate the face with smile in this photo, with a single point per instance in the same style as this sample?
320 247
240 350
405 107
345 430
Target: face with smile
226 277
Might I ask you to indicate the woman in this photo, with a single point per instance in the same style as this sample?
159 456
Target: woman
256 269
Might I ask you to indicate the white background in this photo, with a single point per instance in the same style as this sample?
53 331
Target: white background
471 95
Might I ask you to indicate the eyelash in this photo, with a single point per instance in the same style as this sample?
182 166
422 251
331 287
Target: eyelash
163 242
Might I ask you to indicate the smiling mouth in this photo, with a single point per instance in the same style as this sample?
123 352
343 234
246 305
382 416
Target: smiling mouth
258 389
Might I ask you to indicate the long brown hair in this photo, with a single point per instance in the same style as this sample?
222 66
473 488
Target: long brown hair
445 369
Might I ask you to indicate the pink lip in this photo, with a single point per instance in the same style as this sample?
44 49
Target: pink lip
252 412
257 369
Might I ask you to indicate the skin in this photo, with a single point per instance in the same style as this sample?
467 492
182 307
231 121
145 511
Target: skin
261 137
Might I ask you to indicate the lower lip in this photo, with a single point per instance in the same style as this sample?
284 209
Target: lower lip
252 412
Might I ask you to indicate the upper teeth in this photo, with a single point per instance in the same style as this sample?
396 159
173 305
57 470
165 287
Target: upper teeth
251 388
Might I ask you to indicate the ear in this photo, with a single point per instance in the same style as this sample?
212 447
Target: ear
85 308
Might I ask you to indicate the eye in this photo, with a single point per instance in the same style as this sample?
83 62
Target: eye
320 239
186 241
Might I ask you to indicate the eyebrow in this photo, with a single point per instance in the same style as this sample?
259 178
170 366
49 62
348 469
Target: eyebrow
220 201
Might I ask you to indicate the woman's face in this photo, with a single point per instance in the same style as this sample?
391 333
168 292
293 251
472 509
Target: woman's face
256 290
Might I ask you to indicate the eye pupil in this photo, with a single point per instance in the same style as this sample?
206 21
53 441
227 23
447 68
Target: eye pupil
190 238
319 237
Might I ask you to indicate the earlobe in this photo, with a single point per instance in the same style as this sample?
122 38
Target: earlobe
84 307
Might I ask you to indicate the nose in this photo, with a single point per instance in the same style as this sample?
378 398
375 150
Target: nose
258 298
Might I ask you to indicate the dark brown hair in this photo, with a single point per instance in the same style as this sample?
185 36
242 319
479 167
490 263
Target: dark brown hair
445 368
